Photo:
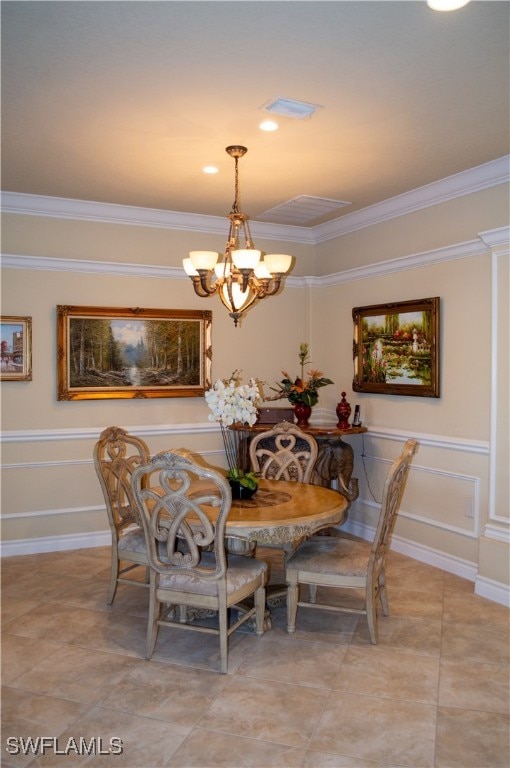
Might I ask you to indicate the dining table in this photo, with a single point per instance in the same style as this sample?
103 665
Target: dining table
283 512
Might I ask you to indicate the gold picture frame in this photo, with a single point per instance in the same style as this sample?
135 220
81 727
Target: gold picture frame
396 348
114 352
16 348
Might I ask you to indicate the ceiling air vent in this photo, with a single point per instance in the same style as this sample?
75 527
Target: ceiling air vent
290 108
301 210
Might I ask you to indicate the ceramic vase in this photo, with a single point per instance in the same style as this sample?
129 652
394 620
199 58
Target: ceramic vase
302 413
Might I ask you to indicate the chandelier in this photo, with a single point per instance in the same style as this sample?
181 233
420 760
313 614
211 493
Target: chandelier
243 276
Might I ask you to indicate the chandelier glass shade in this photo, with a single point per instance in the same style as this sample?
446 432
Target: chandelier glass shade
243 276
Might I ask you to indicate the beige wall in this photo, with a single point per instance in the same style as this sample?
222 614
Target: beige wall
49 490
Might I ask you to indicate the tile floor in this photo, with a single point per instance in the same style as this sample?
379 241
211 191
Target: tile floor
434 692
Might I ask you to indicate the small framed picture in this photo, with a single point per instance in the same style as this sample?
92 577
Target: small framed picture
396 348
16 348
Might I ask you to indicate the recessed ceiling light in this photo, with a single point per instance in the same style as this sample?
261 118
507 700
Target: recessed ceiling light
446 5
210 169
268 125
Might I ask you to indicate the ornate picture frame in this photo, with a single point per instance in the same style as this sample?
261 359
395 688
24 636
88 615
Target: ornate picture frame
396 348
116 352
16 348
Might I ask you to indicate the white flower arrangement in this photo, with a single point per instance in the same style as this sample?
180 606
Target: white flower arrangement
232 403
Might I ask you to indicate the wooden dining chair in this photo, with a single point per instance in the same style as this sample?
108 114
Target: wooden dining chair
284 452
349 563
183 506
116 455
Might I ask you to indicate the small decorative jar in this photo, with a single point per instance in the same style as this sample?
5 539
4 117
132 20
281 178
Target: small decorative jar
343 411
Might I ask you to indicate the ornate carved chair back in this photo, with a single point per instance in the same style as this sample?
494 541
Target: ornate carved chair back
184 506
116 455
284 453
392 495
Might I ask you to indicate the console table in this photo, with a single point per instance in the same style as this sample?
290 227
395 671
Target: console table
335 461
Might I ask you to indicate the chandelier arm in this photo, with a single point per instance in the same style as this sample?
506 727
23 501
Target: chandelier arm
271 287
200 285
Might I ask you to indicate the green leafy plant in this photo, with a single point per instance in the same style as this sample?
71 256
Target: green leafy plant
303 389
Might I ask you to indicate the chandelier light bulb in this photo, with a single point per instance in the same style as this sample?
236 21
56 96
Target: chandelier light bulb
189 268
278 262
203 259
261 271
246 258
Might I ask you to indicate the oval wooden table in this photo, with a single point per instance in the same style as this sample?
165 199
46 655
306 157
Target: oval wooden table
281 513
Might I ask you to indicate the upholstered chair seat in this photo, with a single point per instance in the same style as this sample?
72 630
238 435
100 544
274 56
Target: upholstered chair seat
346 563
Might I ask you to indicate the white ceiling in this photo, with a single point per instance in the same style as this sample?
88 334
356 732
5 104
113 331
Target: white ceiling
125 102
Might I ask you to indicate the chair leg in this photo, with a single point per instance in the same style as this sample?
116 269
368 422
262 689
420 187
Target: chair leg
292 600
152 623
223 625
260 606
112 589
383 595
372 615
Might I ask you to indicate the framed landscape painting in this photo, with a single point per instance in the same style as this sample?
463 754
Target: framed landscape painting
111 352
16 348
396 348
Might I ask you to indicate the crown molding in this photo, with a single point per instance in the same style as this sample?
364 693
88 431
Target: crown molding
467 182
464 250
111 213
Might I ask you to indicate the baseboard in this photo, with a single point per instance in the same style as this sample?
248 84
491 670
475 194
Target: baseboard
55 543
493 590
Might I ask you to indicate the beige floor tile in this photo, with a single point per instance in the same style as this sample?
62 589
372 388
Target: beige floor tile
382 730
53 621
416 636
292 660
77 674
20 654
26 714
315 759
38 586
145 742
455 583
13 607
219 750
471 642
260 709
473 685
473 609
92 594
199 650
379 672
415 575
468 739
113 633
414 603
316 625
175 694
